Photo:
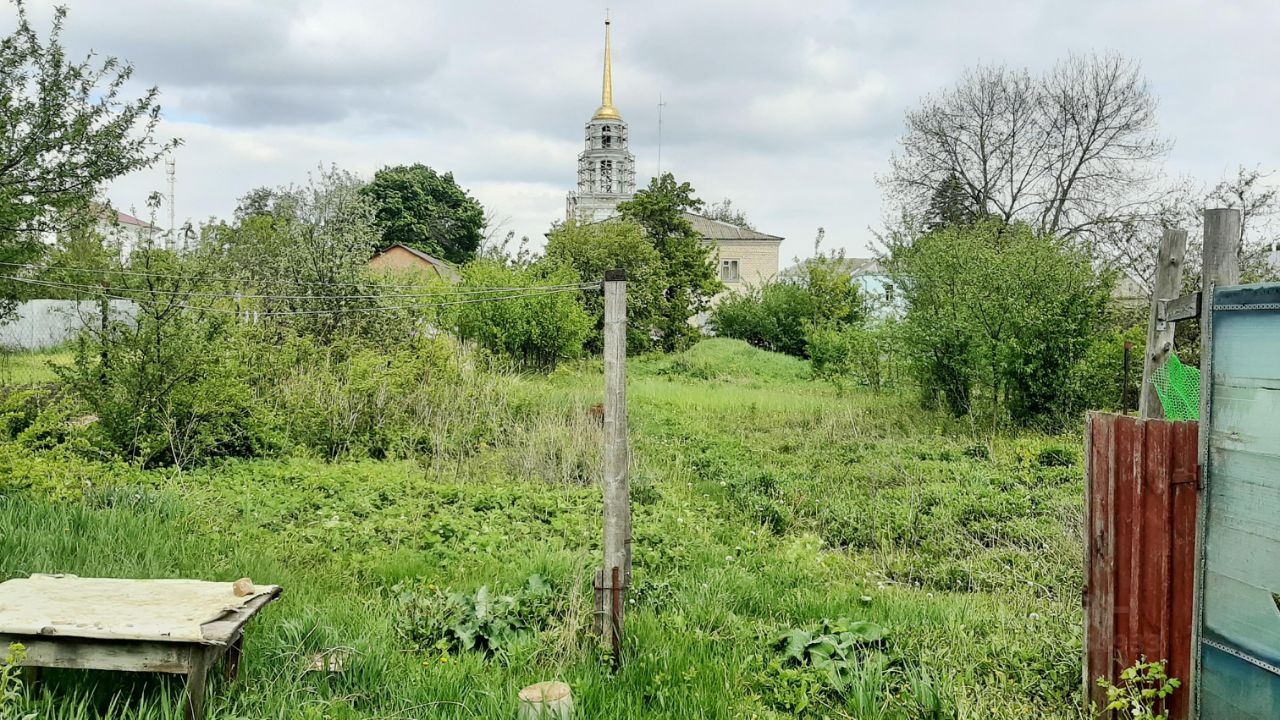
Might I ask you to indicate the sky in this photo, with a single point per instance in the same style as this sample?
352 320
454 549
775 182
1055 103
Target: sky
790 109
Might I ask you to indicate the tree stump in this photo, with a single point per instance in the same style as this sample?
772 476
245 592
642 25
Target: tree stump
546 701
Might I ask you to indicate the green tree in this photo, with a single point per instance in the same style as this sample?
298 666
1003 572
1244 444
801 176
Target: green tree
591 249
65 129
999 317
418 207
304 250
688 260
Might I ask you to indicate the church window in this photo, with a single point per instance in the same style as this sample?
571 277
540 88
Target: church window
888 292
606 140
729 271
606 176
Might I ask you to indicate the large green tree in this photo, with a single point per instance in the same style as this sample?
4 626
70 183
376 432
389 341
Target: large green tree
419 207
65 130
687 259
591 249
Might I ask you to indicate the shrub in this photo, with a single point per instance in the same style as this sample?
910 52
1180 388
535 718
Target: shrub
534 331
167 387
779 314
591 250
999 316
433 620
865 354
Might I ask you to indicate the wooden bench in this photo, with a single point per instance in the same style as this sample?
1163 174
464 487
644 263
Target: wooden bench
62 647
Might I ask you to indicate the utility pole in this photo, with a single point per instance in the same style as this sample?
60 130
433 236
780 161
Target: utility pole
614 578
171 169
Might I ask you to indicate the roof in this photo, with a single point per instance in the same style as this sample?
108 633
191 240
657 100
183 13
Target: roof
127 219
852 265
446 270
719 230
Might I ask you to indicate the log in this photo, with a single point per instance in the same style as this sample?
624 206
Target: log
546 701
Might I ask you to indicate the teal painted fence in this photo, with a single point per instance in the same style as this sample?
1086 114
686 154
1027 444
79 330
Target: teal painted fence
1238 584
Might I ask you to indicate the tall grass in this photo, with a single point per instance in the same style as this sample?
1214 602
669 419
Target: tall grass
762 502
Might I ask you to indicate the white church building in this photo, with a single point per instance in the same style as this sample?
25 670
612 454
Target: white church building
607 177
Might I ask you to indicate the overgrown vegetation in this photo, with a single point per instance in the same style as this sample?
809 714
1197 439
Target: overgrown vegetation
764 503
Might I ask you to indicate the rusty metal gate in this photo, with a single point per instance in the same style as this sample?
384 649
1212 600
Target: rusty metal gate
1238 580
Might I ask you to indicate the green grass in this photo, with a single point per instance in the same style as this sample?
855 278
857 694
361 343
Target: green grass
31 368
763 501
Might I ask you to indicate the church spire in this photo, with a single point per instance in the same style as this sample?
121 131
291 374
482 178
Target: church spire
607 111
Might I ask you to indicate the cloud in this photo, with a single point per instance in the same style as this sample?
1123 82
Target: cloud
789 109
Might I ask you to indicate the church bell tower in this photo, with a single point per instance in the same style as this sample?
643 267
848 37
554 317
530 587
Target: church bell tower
606 168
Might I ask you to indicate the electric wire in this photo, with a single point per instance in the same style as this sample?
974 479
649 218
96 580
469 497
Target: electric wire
532 292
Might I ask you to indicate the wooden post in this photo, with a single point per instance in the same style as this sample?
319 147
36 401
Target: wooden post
617 498
1167 286
1221 267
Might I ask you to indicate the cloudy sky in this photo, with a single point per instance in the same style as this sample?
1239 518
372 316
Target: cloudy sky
789 108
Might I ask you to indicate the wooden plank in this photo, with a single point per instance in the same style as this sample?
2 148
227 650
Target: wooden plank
1100 590
1156 518
224 629
1184 307
1184 504
1168 281
1124 479
89 654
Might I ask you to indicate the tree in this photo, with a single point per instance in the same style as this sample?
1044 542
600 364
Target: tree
418 207
591 249
999 317
687 259
65 130
724 211
305 250
1258 200
1071 153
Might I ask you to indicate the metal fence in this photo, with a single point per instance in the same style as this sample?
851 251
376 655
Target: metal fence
42 324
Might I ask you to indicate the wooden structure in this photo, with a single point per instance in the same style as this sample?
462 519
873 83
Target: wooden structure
614 577
1141 494
134 640
546 701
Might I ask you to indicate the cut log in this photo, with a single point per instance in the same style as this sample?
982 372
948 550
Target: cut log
546 701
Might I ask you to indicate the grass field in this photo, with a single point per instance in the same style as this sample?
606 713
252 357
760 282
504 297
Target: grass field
26 368
764 503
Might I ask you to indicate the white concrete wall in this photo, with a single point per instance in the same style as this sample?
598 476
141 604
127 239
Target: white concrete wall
48 323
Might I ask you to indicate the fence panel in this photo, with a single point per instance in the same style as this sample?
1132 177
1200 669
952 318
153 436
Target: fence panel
1141 485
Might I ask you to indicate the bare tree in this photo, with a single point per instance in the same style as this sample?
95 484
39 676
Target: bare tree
1073 152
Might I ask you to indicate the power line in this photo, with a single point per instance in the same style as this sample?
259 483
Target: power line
210 278
524 293
252 296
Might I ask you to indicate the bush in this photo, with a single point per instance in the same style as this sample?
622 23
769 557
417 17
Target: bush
535 331
779 314
862 354
167 388
999 317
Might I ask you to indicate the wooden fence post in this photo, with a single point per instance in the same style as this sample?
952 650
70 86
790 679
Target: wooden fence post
1167 286
617 498
1221 267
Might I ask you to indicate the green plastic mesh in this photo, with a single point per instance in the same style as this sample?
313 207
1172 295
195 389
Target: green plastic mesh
1178 386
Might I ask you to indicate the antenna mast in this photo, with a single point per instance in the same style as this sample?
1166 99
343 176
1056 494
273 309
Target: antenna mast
171 169
661 105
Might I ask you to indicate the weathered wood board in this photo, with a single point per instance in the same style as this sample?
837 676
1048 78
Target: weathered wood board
1239 621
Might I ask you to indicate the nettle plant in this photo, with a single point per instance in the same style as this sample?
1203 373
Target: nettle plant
1141 692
